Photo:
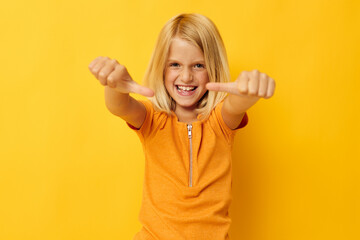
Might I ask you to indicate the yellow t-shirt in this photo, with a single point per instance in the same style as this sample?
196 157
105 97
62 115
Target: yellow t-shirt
186 198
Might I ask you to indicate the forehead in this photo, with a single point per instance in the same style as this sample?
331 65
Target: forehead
183 49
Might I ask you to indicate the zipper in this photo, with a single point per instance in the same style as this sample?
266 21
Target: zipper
189 127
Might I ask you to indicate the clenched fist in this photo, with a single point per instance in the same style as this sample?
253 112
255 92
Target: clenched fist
114 75
248 88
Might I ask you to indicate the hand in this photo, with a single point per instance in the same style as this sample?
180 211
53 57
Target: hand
254 83
110 73
249 87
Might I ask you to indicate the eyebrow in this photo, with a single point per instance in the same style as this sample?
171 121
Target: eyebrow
197 61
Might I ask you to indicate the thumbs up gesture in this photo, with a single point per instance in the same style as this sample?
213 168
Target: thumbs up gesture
247 89
110 73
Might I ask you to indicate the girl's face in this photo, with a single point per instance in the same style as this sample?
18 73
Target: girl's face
185 73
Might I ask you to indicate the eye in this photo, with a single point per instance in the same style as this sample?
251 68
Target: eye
174 65
199 65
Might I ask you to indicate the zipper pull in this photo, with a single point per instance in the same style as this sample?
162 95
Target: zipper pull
189 127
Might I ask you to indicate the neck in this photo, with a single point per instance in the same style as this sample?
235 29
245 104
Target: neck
185 114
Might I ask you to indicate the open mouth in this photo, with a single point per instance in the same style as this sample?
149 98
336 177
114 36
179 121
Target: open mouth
185 88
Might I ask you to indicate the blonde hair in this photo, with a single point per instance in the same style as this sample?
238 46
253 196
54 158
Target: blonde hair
202 32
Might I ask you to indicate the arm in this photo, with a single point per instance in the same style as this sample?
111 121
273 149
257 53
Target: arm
118 84
231 117
125 106
247 89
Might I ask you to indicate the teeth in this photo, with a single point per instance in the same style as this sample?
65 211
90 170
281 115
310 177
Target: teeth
186 88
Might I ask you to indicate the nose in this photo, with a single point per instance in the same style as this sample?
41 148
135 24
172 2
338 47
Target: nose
186 75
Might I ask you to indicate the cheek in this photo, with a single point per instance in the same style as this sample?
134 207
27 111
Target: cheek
170 76
168 81
167 84
203 77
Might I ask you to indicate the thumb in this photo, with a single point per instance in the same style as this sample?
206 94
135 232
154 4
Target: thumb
137 88
231 87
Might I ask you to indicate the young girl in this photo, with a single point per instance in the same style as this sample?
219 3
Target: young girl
186 129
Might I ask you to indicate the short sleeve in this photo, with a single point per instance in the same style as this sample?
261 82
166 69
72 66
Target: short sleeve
222 123
146 126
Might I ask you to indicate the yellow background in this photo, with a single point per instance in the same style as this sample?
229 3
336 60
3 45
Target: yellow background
71 170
